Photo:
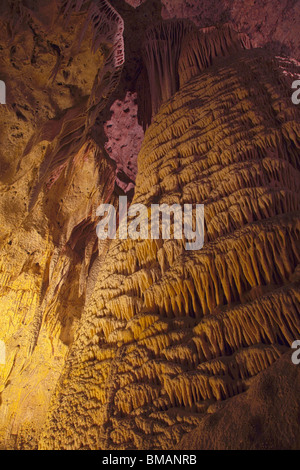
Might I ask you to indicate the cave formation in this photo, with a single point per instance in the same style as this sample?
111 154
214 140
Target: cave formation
140 344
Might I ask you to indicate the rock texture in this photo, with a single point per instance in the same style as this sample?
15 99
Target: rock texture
53 177
134 344
266 417
167 333
124 140
269 23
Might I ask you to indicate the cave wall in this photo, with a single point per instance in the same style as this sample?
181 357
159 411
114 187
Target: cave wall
135 344
53 176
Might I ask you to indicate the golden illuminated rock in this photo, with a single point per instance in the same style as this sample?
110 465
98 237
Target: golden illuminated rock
53 176
139 344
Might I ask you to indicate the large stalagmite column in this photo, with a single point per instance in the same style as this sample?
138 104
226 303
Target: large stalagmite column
168 334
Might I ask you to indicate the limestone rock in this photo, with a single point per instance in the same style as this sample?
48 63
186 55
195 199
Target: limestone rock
168 333
51 173
265 417
136 344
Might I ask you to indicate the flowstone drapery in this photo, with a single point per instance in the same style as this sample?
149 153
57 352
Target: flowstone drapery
140 344
167 333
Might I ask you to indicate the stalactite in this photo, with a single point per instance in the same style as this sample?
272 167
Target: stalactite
167 333
200 48
175 51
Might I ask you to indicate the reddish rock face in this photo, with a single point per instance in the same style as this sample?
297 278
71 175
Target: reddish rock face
271 24
125 138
